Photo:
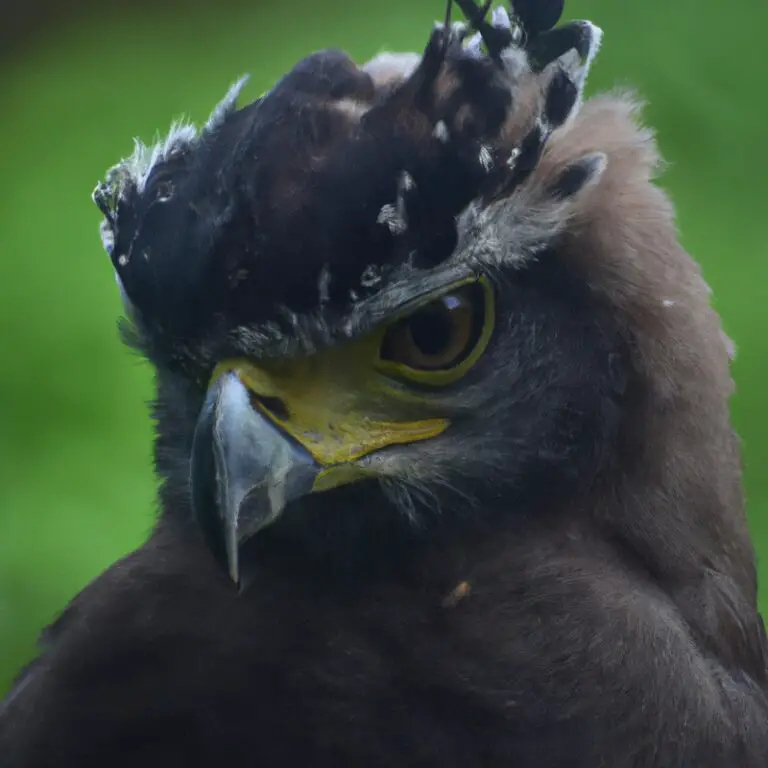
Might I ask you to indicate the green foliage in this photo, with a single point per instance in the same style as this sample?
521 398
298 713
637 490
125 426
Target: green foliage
75 472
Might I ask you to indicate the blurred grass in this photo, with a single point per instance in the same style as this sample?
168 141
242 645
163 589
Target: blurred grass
77 489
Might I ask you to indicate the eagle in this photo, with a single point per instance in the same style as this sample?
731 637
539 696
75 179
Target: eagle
447 471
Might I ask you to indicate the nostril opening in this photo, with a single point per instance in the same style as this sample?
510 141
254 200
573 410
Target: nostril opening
272 404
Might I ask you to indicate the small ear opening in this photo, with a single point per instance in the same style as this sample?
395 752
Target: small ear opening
584 172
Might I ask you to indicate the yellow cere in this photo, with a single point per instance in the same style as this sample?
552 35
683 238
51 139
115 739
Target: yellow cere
332 402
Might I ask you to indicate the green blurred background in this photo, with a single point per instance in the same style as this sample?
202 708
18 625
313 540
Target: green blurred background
76 487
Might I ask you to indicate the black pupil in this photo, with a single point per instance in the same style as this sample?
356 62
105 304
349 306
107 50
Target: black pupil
431 330
440 334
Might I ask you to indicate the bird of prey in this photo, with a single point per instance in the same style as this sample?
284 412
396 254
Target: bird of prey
448 477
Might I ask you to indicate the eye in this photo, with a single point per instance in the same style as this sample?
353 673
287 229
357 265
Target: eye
441 340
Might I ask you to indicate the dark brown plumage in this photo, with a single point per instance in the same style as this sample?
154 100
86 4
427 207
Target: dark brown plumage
585 595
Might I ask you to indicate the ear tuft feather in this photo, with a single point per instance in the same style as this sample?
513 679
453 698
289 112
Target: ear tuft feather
561 97
580 174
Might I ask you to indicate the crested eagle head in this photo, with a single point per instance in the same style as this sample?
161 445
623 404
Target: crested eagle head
414 295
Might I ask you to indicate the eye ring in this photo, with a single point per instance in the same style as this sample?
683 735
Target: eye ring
440 341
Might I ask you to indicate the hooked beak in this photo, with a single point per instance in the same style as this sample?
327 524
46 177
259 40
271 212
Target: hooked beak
269 434
237 454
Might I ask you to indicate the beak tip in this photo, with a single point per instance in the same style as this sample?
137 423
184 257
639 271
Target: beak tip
243 472
233 554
